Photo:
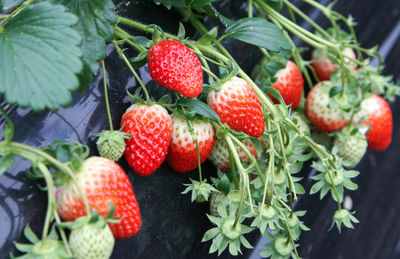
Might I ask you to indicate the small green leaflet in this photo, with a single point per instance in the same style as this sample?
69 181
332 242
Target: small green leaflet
40 57
259 32
200 108
96 25
5 163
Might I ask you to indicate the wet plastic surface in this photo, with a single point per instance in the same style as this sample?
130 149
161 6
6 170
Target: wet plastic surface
172 226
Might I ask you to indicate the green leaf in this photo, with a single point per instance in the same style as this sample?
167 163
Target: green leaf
198 4
30 235
5 163
275 94
200 108
142 41
316 187
181 31
209 37
223 184
211 233
259 32
8 4
39 57
170 3
335 91
224 20
96 24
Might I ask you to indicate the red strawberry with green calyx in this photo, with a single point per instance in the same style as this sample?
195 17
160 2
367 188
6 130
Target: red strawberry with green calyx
237 105
324 67
289 84
151 128
102 181
380 119
182 152
175 66
323 117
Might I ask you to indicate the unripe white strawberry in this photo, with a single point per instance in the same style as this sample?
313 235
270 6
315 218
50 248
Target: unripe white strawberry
351 147
92 242
111 144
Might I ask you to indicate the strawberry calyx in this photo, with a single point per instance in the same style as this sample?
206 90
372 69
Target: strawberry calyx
201 191
283 246
343 217
49 247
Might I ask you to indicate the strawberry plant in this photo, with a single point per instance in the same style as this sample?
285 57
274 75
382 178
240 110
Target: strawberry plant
253 128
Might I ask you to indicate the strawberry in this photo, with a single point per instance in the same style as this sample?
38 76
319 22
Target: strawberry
289 84
92 242
103 182
111 143
351 147
324 67
175 66
220 154
237 105
381 121
322 117
151 129
182 152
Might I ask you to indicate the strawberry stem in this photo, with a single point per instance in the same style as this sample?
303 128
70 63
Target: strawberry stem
123 35
36 156
128 64
103 67
50 197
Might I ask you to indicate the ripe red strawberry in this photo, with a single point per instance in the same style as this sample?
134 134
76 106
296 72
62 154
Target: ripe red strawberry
151 129
380 119
324 67
237 105
182 152
289 84
322 117
175 66
103 182
220 154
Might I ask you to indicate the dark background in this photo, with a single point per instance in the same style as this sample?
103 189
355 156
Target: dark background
172 226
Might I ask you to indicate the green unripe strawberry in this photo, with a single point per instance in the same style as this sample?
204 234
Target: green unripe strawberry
111 144
92 242
351 148
215 199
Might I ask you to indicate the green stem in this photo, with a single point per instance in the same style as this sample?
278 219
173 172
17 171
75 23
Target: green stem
294 28
62 233
292 190
106 95
50 198
289 233
140 26
123 35
232 165
245 177
250 8
16 11
249 155
35 156
122 55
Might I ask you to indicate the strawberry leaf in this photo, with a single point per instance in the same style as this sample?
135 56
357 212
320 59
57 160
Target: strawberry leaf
257 31
200 108
96 25
39 57
8 4
6 162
